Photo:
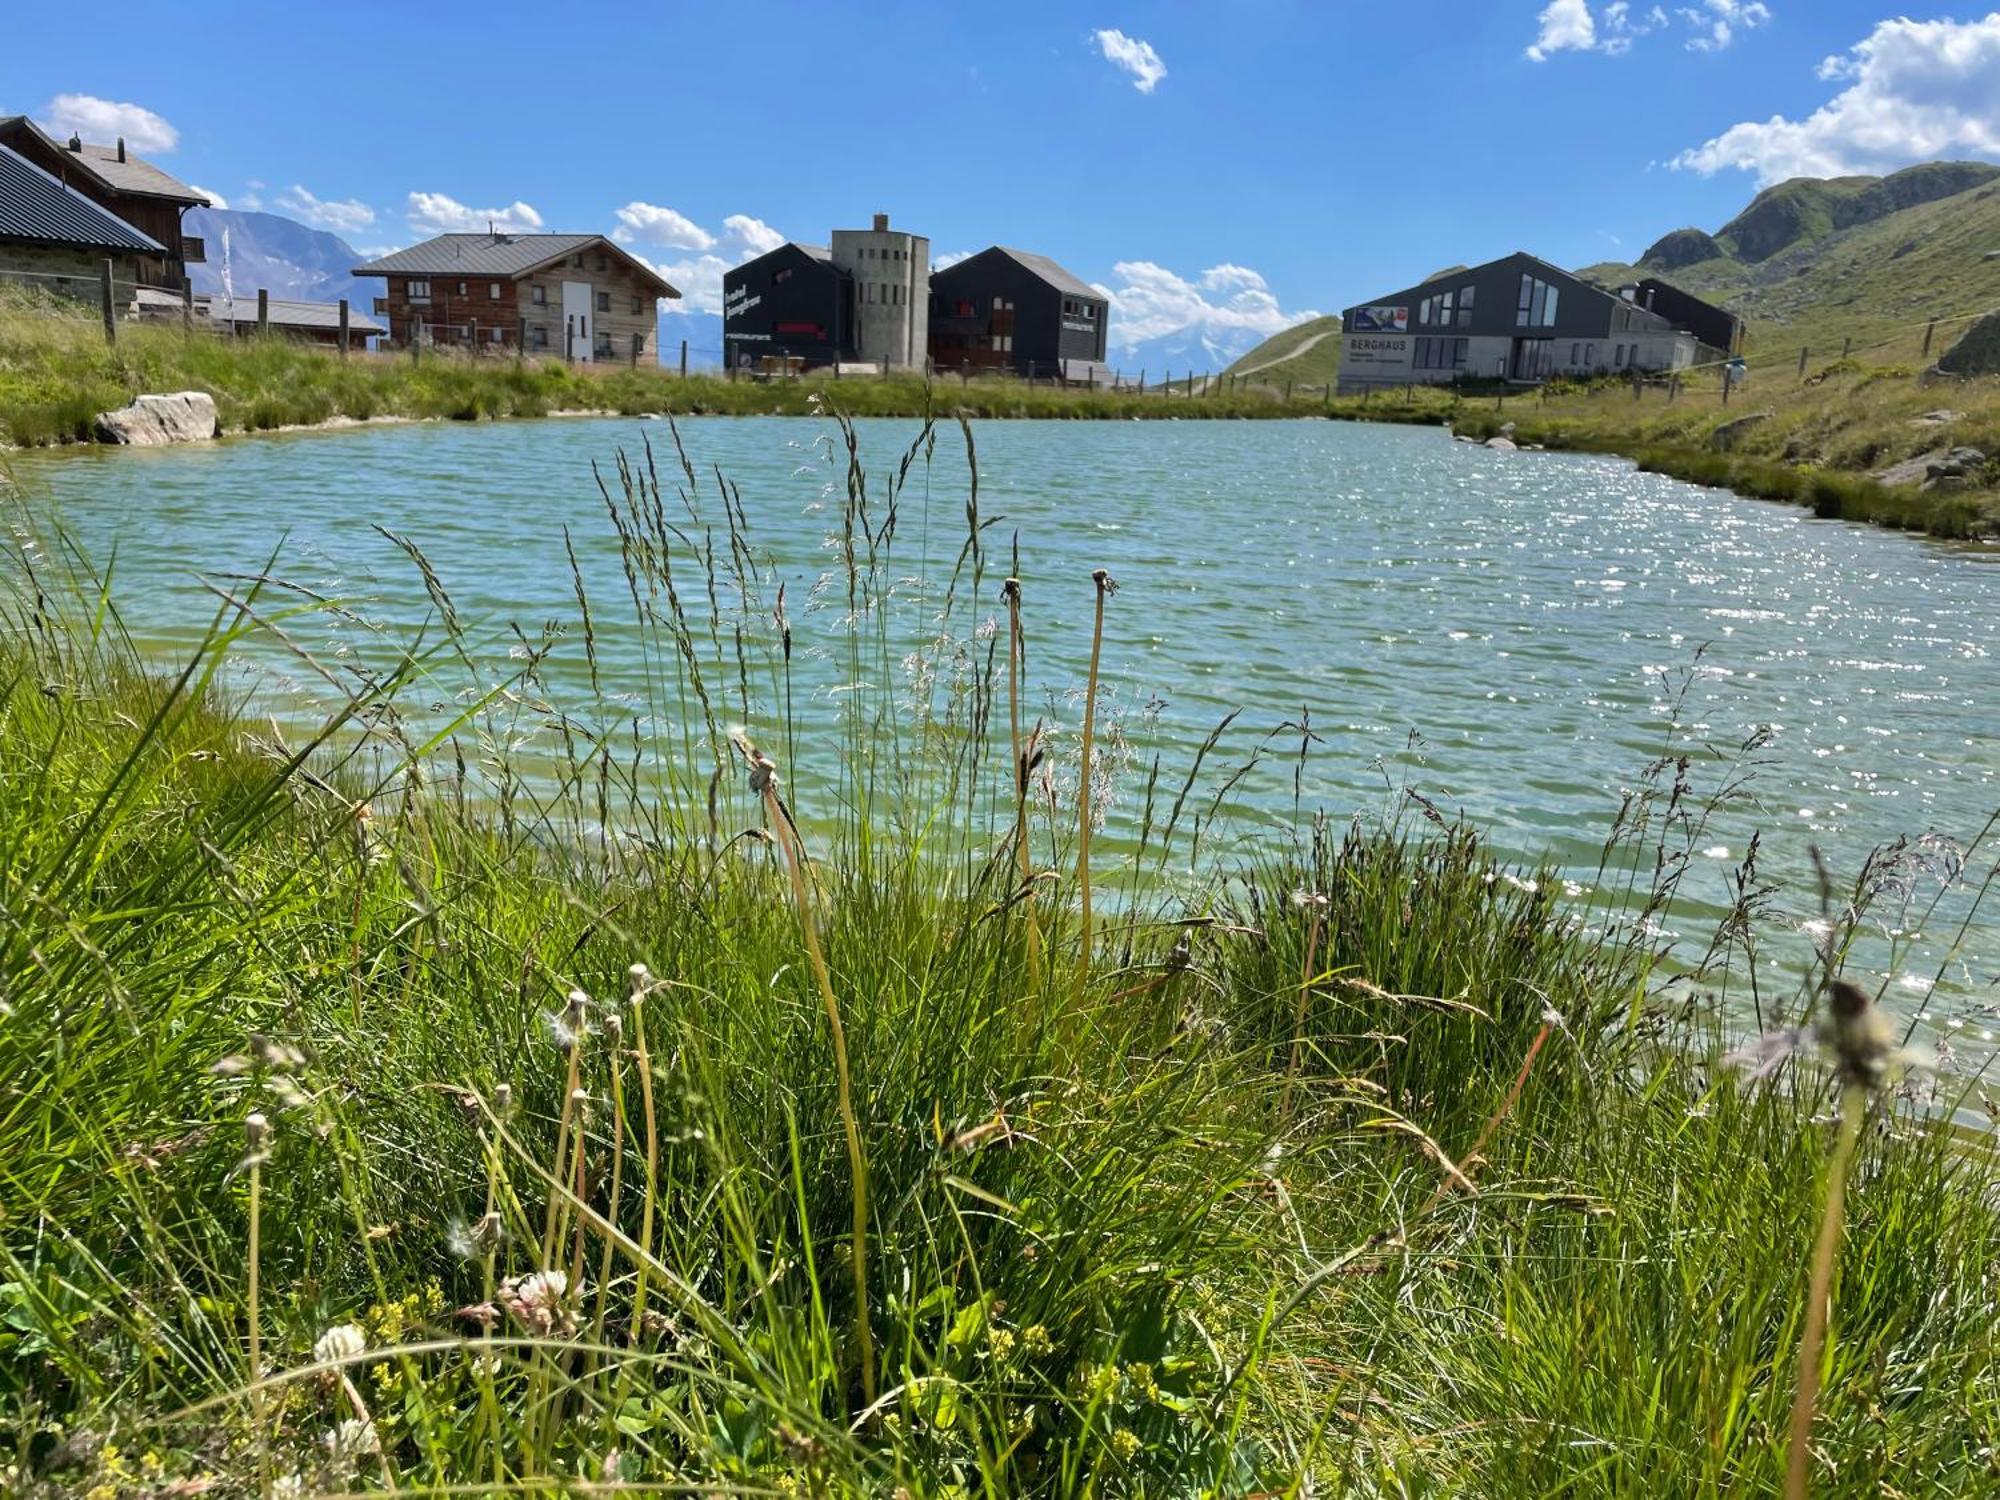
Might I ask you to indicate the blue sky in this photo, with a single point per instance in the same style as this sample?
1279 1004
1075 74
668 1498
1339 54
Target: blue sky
1226 167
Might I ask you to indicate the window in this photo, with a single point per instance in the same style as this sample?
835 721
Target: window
603 263
461 289
499 336
539 334
638 307
417 291
493 291
1465 305
1537 307
539 295
1575 354
577 261
604 302
1619 352
1590 356
1441 354
782 277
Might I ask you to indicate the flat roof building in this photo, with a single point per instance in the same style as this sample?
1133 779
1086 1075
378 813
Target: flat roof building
891 275
1516 319
1013 309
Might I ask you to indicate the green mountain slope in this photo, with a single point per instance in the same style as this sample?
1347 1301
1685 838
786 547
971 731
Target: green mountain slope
1810 263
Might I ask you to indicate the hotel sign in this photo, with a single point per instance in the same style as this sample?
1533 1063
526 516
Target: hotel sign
1374 351
1381 320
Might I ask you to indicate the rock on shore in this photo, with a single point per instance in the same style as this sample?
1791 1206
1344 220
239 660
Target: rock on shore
150 421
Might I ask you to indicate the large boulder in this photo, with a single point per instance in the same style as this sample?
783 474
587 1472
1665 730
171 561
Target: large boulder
1978 352
150 421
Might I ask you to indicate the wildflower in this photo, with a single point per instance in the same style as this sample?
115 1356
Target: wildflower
537 1302
343 1341
288 1487
1855 1032
641 979
1001 1341
1035 1339
353 1439
1125 1443
503 1099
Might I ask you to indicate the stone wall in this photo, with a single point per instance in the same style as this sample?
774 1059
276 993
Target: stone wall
65 270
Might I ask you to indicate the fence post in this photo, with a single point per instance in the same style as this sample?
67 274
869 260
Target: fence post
1846 346
1726 383
1802 361
104 295
263 310
187 306
343 328
1288 390
1673 389
1190 385
1929 329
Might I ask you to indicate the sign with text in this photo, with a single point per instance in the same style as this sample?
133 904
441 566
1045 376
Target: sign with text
1381 320
1371 351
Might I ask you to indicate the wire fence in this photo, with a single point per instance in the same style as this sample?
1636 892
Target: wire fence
119 297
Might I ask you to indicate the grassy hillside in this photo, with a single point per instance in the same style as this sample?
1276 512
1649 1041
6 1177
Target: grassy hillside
491 1090
1308 354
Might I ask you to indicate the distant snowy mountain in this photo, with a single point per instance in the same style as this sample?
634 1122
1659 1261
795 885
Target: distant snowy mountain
1195 349
271 253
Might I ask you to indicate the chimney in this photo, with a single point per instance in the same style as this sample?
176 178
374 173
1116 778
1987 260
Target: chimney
76 143
121 148
881 223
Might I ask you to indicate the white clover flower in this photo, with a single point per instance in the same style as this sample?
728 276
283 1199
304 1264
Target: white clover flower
343 1341
537 1302
353 1439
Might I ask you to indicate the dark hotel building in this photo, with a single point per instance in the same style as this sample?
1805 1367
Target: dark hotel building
1012 309
789 303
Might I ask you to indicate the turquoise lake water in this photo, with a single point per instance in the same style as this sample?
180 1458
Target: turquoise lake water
1532 618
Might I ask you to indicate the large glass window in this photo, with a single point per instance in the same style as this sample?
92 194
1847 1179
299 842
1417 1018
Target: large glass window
1465 305
1537 308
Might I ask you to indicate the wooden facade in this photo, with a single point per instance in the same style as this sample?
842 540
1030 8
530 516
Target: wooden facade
135 190
576 297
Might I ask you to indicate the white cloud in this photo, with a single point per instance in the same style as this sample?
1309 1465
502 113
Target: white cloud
215 199
1566 26
342 215
1150 302
753 235
1917 90
104 120
1132 56
435 213
950 258
1572 26
698 277
1717 20
650 224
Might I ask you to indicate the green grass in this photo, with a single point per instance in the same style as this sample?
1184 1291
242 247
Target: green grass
1113 1250
57 374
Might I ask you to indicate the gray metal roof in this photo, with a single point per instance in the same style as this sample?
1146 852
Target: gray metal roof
1052 273
35 206
287 312
817 252
131 175
509 255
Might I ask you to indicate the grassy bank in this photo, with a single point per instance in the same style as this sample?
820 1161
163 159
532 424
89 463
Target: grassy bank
1820 443
1348 1157
57 374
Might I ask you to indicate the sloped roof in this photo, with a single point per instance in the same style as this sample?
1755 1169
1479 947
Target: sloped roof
132 175
509 255
1052 273
288 312
35 206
